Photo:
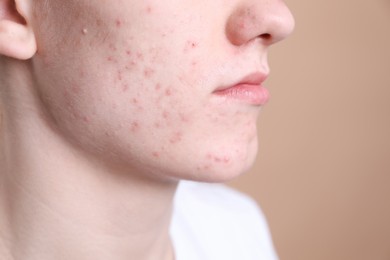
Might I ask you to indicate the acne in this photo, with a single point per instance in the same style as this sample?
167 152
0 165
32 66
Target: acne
156 154
184 118
86 119
168 92
176 138
118 23
218 159
112 47
112 59
165 114
148 72
125 88
140 56
205 167
149 9
190 45
134 127
119 75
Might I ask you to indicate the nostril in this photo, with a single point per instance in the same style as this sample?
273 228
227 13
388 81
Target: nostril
266 36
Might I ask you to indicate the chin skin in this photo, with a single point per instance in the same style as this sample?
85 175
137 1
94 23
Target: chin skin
227 164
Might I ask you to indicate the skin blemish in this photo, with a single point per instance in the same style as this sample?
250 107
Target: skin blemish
85 31
148 72
218 159
86 119
176 137
111 59
125 87
158 86
128 52
204 167
193 45
184 118
156 154
157 125
190 45
82 73
140 56
118 23
134 101
168 92
165 114
112 47
149 9
134 127
120 75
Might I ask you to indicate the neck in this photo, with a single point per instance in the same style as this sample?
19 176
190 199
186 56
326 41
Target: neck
55 199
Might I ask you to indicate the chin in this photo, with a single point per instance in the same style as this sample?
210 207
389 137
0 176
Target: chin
224 168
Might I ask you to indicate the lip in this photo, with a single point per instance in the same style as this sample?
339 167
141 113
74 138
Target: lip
249 90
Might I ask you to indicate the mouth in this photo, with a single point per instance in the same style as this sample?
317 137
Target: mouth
249 90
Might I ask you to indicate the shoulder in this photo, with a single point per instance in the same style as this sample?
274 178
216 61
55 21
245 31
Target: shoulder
219 222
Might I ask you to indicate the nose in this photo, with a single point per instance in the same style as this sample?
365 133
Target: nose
268 20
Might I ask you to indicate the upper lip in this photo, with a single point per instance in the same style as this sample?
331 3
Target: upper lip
255 78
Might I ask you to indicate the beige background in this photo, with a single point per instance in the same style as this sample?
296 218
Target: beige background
323 173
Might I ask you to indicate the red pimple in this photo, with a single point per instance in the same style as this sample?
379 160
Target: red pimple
190 45
118 23
86 119
242 25
165 114
193 44
112 47
177 137
156 154
149 9
82 73
140 56
168 92
125 87
134 101
99 22
111 59
120 75
148 72
184 118
134 127
128 52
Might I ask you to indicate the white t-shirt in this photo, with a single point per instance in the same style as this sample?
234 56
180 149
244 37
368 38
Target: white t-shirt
214 222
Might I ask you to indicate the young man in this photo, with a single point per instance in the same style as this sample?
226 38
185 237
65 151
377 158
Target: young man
107 105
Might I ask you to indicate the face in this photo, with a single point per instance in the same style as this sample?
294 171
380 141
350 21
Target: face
170 88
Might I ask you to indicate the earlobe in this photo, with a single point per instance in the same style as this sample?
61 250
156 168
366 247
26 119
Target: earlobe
17 39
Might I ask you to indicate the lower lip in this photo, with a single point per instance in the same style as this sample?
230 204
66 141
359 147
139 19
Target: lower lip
248 93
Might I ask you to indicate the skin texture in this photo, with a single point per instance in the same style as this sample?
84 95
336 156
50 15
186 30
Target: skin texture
135 80
107 105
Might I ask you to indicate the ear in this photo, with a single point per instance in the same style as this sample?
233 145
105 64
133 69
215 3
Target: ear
17 39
